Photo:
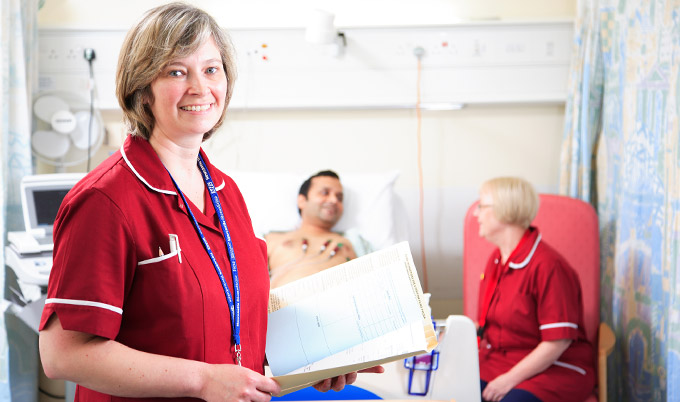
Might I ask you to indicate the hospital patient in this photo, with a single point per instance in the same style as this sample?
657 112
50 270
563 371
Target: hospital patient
314 246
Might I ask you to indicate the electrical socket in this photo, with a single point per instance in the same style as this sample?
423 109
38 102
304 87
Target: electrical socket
71 54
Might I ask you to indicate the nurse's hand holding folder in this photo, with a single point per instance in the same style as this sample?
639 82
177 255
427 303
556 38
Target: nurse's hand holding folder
339 382
159 287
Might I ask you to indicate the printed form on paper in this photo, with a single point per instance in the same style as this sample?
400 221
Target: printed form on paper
362 313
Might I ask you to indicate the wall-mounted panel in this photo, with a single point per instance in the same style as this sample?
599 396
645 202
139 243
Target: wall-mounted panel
493 62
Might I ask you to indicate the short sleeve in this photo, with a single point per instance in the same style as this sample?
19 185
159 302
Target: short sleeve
93 265
559 301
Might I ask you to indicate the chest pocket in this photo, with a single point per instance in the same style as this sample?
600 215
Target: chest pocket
167 277
175 252
164 308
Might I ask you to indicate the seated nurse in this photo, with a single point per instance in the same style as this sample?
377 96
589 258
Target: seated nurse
533 345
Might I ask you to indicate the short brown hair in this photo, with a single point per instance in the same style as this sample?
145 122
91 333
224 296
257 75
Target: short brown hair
165 33
515 201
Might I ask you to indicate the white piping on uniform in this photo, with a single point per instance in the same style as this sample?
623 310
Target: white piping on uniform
571 367
122 152
158 259
85 303
127 161
558 325
531 254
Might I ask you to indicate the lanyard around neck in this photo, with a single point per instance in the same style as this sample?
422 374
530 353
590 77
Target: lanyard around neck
235 303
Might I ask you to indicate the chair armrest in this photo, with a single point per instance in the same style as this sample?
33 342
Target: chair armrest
606 342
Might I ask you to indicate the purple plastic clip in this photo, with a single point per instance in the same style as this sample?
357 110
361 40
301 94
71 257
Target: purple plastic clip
428 363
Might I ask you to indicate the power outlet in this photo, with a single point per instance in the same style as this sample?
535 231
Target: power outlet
62 56
73 53
51 54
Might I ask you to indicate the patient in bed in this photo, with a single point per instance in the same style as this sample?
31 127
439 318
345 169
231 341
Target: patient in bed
313 246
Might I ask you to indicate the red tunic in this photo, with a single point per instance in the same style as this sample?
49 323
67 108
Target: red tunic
116 276
537 298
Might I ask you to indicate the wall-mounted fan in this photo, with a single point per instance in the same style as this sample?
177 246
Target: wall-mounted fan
67 130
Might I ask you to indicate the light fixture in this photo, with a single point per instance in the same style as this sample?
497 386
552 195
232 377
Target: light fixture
321 30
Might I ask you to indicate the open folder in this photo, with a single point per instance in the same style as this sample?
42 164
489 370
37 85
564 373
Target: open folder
363 313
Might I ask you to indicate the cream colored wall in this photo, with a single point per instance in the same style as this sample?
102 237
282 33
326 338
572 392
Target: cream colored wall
291 13
460 148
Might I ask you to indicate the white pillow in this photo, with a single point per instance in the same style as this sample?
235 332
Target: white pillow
370 204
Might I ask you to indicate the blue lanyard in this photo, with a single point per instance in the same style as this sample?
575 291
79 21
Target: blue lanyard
234 304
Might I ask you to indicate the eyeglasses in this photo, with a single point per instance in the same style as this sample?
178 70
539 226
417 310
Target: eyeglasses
480 206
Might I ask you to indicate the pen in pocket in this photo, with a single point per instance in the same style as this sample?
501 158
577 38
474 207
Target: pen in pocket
174 246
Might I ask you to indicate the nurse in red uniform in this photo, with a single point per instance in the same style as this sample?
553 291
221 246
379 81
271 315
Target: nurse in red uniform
159 287
533 345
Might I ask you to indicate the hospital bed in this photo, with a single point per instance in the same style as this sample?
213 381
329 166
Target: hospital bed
374 210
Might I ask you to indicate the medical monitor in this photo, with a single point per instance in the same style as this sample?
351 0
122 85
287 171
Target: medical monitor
41 197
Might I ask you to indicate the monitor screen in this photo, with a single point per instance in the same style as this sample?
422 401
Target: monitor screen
47 204
41 197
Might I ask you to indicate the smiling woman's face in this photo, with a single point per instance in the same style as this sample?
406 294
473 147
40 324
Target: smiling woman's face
189 94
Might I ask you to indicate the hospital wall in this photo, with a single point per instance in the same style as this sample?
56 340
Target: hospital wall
460 148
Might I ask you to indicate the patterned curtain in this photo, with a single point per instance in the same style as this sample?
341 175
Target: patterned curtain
18 55
620 152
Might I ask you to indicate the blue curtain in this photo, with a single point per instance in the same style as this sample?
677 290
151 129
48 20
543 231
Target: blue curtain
620 152
18 55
